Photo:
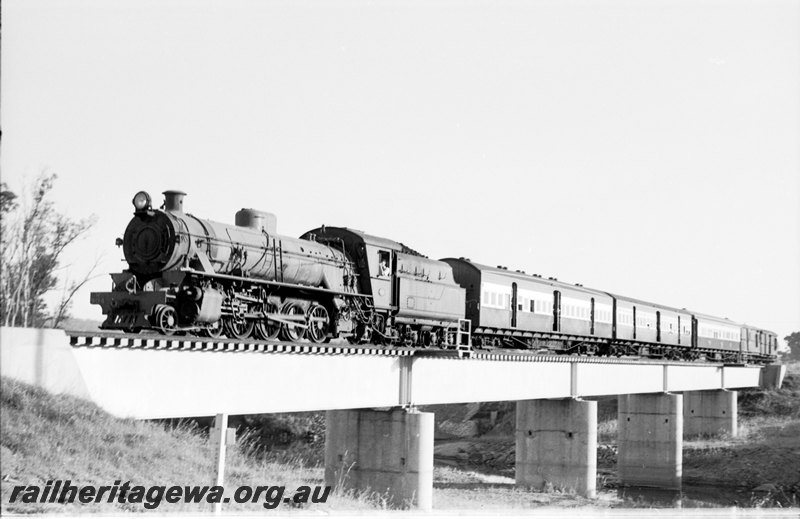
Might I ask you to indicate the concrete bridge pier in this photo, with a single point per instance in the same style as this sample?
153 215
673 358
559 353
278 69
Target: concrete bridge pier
557 444
650 440
710 412
386 452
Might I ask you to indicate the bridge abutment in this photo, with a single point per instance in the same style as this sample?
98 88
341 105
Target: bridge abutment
772 376
556 443
387 452
710 413
650 440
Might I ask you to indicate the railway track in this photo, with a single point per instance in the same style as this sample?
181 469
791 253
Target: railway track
161 342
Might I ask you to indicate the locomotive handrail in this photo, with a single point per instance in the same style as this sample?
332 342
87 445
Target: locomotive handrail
189 270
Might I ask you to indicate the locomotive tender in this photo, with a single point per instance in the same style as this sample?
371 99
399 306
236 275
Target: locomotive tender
189 275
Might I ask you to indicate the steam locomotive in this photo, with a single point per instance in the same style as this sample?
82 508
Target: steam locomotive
188 275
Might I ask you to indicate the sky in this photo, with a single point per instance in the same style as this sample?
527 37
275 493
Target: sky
647 148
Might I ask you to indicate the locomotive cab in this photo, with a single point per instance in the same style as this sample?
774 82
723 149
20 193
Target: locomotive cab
415 299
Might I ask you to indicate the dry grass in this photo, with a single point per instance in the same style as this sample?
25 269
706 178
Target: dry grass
45 437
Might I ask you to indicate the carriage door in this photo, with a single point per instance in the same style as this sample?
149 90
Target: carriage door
556 311
658 326
614 318
591 317
743 340
513 305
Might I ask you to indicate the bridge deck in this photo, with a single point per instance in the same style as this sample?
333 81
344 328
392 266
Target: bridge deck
155 377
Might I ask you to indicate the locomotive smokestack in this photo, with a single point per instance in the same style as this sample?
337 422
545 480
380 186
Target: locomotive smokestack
173 201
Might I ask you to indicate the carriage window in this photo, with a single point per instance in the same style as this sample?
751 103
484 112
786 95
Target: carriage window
533 306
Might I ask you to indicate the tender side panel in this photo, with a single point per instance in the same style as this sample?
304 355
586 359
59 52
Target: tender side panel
469 278
427 290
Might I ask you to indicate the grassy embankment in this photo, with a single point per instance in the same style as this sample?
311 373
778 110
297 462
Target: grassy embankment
45 437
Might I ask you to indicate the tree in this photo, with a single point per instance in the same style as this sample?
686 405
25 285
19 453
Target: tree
793 341
34 236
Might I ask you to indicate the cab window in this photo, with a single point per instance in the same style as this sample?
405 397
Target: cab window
384 270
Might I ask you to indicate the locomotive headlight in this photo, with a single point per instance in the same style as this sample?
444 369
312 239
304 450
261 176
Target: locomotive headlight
142 201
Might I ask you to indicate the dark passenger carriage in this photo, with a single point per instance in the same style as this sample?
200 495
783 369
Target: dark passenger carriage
715 333
514 304
758 342
640 321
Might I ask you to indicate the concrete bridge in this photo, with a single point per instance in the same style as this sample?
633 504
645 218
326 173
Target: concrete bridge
376 437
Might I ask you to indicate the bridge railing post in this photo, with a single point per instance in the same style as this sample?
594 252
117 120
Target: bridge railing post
221 436
406 379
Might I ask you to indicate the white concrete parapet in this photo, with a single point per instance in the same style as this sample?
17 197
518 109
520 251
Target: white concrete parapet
42 358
